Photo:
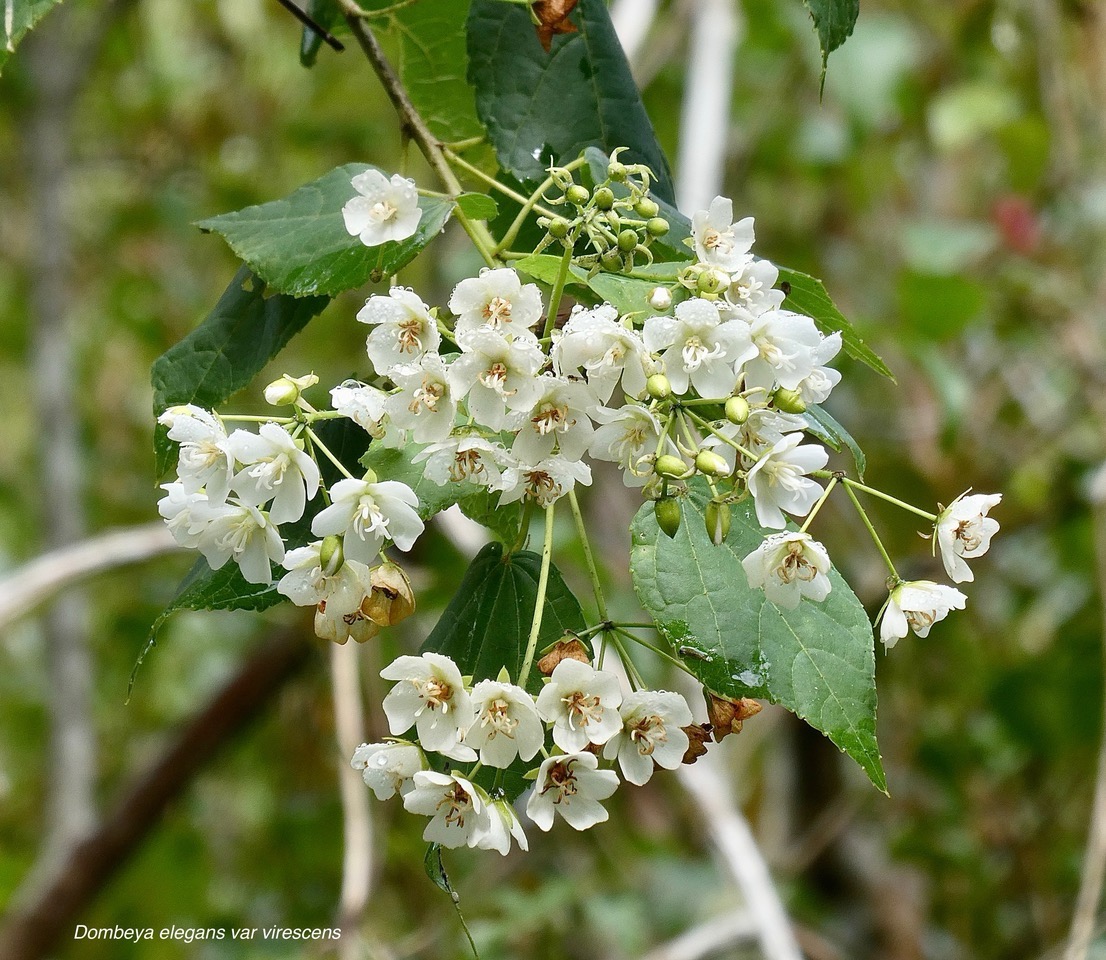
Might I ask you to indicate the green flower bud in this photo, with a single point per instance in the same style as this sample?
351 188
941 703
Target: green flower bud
657 227
710 463
646 208
577 195
604 198
612 261
718 522
370 475
331 556
286 390
558 228
710 281
627 241
667 512
658 387
671 466
737 410
616 171
789 401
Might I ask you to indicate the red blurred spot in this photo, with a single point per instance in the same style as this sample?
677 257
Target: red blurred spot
1018 223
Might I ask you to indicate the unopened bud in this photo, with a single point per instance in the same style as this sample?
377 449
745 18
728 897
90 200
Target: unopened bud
573 649
711 281
789 401
369 475
286 390
616 171
646 208
577 195
331 555
710 463
698 736
671 466
728 715
657 227
667 512
612 261
627 241
558 228
660 298
718 522
658 387
391 599
604 198
737 410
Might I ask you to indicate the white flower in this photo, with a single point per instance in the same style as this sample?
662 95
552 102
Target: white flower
784 345
507 724
765 427
651 732
430 696
917 605
364 405
186 514
368 514
385 210
341 584
817 385
777 480
389 768
582 704
789 566
496 374
572 786
628 437
594 343
544 481
700 348
457 459
404 329
496 300
718 240
963 530
499 825
751 287
205 461
423 405
454 805
242 532
558 419
274 468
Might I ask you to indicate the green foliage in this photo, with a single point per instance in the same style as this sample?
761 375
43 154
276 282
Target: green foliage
390 463
327 15
24 15
504 521
222 589
834 20
300 246
522 92
247 328
826 428
817 660
478 206
487 623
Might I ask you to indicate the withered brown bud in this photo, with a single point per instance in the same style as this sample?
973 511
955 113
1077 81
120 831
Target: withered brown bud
698 736
391 598
573 649
727 716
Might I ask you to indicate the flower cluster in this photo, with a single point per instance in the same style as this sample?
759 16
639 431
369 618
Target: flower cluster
581 714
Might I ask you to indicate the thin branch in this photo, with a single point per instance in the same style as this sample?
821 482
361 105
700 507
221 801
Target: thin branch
37 581
44 917
708 939
303 18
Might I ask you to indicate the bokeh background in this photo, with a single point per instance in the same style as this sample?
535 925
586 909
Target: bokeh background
949 187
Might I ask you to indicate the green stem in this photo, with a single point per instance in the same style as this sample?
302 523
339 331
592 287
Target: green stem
931 517
818 506
705 425
589 558
244 419
872 531
330 456
523 528
657 650
528 206
539 604
632 673
491 181
558 289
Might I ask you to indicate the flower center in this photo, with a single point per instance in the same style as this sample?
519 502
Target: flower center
410 331
457 803
270 472
968 534
582 709
201 454
496 716
541 486
434 692
795 566
427 396
466 463
495 378
497 312
367 519
648 733
551 417
719 240
561 778
920 619
383 210
696 353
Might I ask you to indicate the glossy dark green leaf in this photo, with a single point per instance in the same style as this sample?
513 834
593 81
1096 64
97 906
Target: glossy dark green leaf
543 107
478 206
505 522
246 329
299 245
817 660
834 20
487 623
827 429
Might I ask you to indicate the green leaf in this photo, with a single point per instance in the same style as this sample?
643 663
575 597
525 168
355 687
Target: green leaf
390 463
487 623
817 660
826 428
478 206
24 15
300 246
222 589
806 294
505 522
224 353
631 294
327 15
543 107
834 20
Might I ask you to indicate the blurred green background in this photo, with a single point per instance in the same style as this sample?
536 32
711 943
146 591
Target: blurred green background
950 188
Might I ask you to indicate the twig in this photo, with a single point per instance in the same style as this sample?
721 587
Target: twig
708 938
45 916
312 25
35 582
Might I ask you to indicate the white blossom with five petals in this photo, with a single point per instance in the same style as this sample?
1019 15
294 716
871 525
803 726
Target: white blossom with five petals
430 696
572 786
582 704
384 209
